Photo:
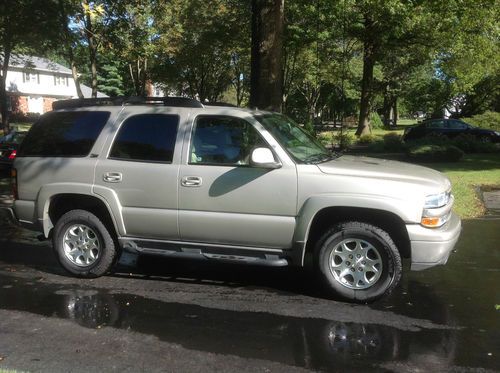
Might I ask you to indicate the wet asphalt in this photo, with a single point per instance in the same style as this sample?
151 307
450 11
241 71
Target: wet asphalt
173 315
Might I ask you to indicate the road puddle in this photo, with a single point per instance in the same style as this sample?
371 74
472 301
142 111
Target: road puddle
305 342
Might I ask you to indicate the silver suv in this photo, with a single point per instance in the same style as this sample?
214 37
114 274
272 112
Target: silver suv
178 178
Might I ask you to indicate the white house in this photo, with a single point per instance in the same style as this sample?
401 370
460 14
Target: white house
33 83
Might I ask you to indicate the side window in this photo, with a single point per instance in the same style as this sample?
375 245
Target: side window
456 125
64 134
220 140
146 138
435 124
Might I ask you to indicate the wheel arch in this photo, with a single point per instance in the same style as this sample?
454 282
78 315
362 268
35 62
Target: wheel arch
326 217
57 205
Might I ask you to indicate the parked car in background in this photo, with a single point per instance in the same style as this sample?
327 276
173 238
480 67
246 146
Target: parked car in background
8 148
450 128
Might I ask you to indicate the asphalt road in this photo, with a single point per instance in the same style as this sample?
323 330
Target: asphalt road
184 316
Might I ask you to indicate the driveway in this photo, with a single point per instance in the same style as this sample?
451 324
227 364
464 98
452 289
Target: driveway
165 315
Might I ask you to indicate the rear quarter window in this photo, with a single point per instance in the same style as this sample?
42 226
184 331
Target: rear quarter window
64 134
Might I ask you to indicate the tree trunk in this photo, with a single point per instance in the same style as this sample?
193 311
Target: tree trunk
76 78
395 111
367 80
266 77
3 89
92 52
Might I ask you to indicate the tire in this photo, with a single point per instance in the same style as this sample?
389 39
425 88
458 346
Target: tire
83 244
358 262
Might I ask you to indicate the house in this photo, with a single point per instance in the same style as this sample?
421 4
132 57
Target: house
34 83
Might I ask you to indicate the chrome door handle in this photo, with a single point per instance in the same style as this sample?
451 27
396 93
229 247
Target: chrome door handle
112 177
191 181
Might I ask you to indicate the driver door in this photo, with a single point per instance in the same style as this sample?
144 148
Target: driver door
223 199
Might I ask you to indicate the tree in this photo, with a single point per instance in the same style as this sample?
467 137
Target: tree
266 76
24 26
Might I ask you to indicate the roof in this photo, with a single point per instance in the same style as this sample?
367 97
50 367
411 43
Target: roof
87 92
37 63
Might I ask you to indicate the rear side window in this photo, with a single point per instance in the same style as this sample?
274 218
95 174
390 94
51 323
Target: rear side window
64 134
146 138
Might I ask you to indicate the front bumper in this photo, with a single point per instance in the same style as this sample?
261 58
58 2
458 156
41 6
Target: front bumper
431 247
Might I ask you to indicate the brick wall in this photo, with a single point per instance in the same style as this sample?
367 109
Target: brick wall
47 104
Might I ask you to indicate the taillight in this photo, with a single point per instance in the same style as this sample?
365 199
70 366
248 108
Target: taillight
13 155
13 174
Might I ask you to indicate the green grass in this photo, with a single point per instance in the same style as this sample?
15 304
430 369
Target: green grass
472 172
467 176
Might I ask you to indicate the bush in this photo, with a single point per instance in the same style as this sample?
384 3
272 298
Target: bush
392 142
435 153
326 138
488 120
375 120
343 140
366 139
466 143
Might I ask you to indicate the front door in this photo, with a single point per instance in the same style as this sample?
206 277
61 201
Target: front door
223 199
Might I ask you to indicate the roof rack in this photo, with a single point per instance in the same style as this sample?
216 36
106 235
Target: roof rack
122 101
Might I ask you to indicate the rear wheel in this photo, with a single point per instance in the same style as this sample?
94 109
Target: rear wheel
83 244
358 261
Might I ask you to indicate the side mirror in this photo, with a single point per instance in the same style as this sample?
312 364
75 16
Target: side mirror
264 158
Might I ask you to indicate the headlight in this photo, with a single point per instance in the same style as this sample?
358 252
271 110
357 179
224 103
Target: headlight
437 210
436 200
497 133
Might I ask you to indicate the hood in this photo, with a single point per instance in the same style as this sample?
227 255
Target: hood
375 168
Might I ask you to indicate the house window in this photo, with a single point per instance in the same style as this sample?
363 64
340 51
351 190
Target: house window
60 80
31 78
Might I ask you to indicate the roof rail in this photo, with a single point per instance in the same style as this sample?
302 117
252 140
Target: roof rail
218 103
126 100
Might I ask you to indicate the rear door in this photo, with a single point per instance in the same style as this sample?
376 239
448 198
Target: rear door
141 169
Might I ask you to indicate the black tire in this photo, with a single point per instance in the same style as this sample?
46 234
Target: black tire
378 242
107 252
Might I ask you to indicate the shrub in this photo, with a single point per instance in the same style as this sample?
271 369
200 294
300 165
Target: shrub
366 139
435 153
343 140
489 120
375 120
392 142
326 138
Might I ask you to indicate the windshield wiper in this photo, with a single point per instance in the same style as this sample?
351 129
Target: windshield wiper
320 158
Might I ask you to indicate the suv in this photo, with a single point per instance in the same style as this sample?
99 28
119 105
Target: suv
178 178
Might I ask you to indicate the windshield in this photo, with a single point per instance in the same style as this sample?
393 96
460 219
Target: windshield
303 147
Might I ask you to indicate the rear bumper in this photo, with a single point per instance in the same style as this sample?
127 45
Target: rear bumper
431 247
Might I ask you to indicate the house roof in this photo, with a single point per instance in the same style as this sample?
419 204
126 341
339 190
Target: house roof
37 63
87 92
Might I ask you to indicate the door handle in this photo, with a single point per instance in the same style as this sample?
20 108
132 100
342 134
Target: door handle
112 177
191 181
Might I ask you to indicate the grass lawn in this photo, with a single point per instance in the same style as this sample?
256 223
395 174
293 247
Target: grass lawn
466 176
472 171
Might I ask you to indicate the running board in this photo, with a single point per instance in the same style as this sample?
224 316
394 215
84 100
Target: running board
230 255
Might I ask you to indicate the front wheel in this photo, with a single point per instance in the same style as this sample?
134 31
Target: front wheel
83 244
358 261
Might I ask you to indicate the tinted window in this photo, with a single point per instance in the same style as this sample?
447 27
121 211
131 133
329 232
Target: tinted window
435 124
456 125
223 140
146 137
64 134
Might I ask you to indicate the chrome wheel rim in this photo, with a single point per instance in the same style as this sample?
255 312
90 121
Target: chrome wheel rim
355 263
81 245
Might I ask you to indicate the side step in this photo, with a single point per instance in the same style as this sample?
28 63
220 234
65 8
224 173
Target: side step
215 253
